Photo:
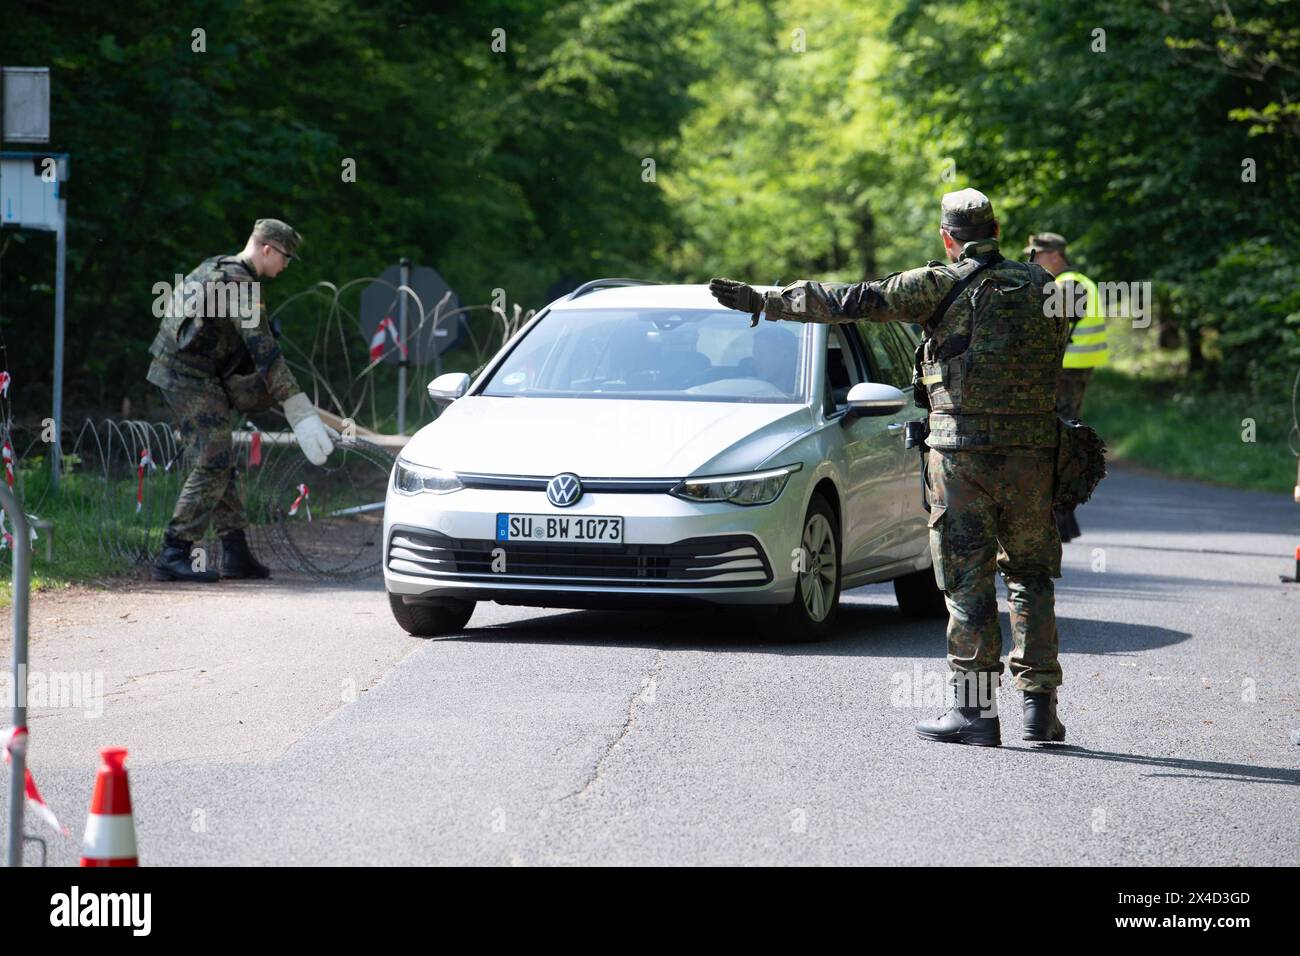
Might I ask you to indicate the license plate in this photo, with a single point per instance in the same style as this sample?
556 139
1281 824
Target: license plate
578 529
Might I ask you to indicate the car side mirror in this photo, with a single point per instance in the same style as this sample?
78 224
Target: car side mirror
875 399
446 388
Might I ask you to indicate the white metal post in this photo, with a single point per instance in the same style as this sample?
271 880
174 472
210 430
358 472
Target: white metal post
21 579
60 276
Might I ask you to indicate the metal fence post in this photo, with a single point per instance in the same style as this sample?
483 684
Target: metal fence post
22 548
403 357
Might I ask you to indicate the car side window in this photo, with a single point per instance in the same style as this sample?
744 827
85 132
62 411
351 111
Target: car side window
843 369
907 337
890 357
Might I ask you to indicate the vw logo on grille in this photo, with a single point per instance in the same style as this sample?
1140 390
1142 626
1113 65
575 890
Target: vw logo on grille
564 490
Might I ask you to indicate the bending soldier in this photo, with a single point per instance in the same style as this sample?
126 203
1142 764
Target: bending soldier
215 352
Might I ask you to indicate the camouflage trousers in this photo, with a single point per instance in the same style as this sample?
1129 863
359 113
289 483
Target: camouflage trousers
1070 390
993 512
210 495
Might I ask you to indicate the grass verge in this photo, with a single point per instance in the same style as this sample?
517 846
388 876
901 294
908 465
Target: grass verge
1159 421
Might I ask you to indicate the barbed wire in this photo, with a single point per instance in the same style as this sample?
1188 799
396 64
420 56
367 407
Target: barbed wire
335 533
104 501
337 361
121 480
122 477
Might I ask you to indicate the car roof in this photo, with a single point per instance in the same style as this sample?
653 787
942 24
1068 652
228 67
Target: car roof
695 296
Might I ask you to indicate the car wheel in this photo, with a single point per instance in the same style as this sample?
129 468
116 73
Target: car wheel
919 596
811 614
430 620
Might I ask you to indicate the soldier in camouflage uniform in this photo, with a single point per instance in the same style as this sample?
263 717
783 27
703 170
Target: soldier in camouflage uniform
991 359
214 353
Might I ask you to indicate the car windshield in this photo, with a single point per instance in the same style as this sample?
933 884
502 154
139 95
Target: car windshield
673 354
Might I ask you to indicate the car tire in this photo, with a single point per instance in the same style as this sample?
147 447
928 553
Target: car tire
430 620
919 595
811 614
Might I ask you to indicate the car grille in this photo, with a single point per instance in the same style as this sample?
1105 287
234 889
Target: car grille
727 560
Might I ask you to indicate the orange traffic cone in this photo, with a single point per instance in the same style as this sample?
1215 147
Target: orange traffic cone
110 831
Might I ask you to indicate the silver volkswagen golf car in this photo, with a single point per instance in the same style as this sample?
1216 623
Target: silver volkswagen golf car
637 444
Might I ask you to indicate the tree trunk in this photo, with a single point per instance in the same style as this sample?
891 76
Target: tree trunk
1195 357
1169 336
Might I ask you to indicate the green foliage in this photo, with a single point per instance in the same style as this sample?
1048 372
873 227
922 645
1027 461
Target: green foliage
77 555
1135 152
795 164
789 140
503 169
1251 299
1171 425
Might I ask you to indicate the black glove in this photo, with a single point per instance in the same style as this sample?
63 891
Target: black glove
738 296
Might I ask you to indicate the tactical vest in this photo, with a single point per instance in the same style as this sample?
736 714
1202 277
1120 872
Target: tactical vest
210 346
991 362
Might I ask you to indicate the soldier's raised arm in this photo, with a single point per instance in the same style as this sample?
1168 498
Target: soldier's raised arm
902 297
910 296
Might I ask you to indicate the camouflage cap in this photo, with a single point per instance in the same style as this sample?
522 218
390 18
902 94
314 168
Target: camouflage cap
966 208
1044 241
281 233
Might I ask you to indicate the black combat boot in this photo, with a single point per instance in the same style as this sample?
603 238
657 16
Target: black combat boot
237 561
1041 722
966 722
173 563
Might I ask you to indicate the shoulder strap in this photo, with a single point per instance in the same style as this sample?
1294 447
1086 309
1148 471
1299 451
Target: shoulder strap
966 271
228 263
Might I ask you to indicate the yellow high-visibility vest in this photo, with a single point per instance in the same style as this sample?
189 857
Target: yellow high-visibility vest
1087 348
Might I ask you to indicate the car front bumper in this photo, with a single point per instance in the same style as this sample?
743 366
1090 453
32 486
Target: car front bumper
674 551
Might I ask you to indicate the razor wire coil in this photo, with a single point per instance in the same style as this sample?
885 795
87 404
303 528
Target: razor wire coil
105 503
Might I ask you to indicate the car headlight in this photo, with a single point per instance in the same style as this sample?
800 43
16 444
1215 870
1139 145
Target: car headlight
409 479
756 488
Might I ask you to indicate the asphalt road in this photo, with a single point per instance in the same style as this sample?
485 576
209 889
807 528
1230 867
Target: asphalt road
287 722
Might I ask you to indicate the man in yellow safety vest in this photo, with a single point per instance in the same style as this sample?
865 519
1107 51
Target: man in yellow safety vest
1087 349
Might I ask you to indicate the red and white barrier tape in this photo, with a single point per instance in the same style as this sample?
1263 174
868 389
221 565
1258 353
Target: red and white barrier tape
303 495
387 327
146 461
17 739
6 536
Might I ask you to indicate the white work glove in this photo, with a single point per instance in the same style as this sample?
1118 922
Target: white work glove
308 428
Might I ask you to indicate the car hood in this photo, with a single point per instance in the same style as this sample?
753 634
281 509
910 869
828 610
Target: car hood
605 438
